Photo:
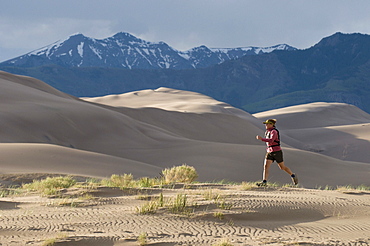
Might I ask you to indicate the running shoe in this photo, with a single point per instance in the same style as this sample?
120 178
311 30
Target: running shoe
261 184
295 179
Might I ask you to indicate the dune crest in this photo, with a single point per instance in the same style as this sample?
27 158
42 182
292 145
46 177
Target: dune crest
170 100
319 114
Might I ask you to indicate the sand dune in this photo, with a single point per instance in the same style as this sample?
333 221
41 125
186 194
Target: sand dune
47 132
165 127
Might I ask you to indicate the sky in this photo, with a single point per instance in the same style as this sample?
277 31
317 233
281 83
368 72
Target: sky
26 25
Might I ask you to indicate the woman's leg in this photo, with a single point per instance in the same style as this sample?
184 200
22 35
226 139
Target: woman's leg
285 168
266 168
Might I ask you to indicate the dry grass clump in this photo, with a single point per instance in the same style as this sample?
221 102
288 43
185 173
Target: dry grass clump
125 180
179 205
148 208
176 174
53 186
180 174
50 186
52 241
4 192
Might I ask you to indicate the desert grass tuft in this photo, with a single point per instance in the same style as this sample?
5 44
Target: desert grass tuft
49 242
248 185
50 186
52 241
151 207
148 208
210 194
223 242
327 187
5 192
219 215
176 205
221 203
142 239
218 199
66 203
354 188
179 205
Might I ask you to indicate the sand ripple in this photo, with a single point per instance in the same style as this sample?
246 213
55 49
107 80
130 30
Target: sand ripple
284 216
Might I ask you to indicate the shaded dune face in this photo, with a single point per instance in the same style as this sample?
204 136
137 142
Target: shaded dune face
145 131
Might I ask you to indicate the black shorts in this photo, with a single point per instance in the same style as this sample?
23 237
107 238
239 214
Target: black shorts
275 156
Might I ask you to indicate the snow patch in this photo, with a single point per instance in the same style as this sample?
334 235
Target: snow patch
184 55
80 49
96 52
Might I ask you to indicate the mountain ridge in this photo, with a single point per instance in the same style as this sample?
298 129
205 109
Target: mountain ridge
124 50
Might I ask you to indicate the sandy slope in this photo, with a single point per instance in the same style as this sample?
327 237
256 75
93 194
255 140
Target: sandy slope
165 127
39 158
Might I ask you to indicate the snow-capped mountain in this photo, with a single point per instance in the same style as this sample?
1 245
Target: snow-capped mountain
124 50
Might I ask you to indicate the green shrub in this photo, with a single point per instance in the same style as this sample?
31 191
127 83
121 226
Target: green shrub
180 174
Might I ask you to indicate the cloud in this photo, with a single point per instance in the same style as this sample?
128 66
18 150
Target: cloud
26 25
30 34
